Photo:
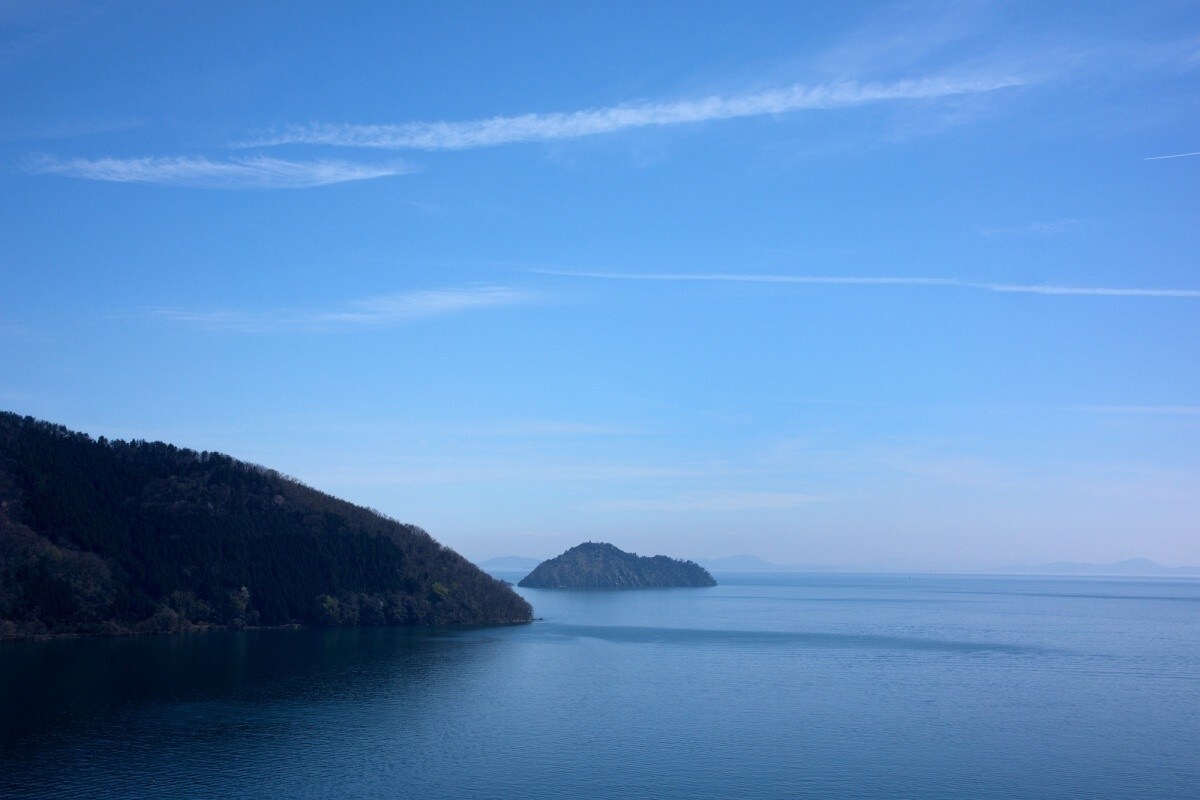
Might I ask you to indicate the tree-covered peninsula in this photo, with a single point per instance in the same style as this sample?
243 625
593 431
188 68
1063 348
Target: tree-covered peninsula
597 565
112 537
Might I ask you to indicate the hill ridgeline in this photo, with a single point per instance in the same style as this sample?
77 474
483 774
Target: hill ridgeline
594 565
118 537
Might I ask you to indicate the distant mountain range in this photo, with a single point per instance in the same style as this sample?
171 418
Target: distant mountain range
1130 566
740 563
512 563
751 563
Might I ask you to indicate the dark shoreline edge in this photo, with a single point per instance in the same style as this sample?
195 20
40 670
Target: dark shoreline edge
116 538
294 626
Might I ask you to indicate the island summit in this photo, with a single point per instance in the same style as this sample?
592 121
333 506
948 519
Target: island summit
597 565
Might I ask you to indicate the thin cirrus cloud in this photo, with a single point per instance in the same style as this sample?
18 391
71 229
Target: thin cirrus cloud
575 124
714 501
374 312
1189 411
257 172
837 280
1172 155
1032 228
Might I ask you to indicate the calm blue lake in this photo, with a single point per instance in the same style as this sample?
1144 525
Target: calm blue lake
767 686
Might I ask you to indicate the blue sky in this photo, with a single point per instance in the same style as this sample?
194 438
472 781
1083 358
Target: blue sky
903 285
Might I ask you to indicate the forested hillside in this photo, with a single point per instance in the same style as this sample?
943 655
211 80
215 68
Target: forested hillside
599 565
112 537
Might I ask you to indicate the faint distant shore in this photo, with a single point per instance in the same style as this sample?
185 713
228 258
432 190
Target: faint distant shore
1129 568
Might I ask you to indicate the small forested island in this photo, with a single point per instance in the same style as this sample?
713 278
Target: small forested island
112 537
597 565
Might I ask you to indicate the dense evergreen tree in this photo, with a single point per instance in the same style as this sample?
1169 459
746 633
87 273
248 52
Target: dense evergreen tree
598 565
107 537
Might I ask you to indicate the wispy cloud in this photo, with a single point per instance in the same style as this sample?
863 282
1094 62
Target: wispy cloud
1081 291
574 124
534 428
508 470
12 329
837 280
1173 155
1156 410
1032 228
258 172
714 501
372 312
749 278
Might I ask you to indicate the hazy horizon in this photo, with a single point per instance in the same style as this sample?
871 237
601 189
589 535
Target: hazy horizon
859 567
906 283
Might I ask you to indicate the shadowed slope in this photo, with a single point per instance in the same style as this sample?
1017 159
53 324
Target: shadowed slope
99 536
595 565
